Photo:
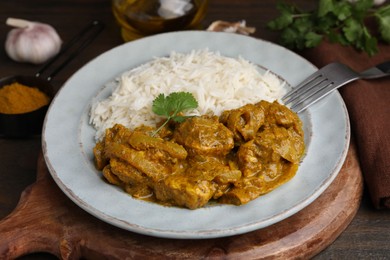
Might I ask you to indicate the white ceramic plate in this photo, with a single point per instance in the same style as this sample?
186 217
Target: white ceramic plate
68 140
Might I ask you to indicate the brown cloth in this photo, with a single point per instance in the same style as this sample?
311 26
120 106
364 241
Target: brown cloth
368 104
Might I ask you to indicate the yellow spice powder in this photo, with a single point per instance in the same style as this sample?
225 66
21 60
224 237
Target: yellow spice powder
17 99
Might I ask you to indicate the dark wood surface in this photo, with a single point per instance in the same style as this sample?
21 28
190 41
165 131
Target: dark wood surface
367 237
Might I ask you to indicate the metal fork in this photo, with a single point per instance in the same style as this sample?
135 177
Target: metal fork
327 79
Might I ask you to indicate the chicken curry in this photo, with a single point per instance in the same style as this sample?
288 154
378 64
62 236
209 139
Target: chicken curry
232 159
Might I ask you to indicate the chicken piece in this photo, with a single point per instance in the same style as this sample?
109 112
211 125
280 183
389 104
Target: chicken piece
284 141
253 158
204 178
100 159
118 134
110 176
133 181
244 122
280 115
141 160
228 176
249 188
270 147
127 173
185 190
142 141
243 191
204 135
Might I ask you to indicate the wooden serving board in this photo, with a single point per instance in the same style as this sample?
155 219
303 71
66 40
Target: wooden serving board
45 220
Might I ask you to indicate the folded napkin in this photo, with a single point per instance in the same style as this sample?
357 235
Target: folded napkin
368 104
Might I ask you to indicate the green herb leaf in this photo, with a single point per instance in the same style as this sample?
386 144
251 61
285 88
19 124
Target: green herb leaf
369 43
383 18
352 30
312 39
285 18
360 8
325 7
342 10
173 104
160 106
339 21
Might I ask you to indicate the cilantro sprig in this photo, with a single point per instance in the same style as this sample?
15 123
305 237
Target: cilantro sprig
172 105
338 20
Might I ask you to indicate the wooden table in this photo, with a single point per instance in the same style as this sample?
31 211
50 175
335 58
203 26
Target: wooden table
368 235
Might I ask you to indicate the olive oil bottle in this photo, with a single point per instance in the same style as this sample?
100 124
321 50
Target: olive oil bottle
139 18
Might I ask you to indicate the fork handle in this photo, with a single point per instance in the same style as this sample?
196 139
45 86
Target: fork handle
385 67
379 71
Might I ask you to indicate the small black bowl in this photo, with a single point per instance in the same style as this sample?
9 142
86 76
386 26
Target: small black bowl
25 124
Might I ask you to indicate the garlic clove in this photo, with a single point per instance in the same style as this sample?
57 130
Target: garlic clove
31 41
237 27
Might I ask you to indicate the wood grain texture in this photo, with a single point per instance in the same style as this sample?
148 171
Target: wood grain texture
53 223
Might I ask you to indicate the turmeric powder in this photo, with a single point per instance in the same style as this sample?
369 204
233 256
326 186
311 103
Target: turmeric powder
17 98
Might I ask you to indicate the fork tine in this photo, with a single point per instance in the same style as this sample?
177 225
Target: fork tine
304 89
302 104
302 85
319 93
312 90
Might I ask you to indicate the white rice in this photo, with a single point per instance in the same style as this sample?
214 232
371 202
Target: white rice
217 82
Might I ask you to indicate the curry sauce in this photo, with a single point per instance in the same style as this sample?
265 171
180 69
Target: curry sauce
231 159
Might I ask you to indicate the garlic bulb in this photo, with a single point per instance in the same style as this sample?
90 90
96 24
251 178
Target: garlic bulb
31 41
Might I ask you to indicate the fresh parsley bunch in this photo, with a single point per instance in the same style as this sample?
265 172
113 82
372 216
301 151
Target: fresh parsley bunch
338 20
